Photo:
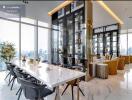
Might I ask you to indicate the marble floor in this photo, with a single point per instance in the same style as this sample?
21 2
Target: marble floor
116 87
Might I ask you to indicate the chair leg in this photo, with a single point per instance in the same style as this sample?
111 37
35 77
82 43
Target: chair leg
65 89
12 83
18 90
19 93
72 93
7 76
81 91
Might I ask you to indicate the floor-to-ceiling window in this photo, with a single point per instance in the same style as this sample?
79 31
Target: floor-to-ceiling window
123 44
130 42
32 33
27 40
43 44
9 32
126 42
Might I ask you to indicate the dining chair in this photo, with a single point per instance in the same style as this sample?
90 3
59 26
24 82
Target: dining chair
127 59
34 91
12 73
112 66
121 63
72 83
20 74
130 58
8 65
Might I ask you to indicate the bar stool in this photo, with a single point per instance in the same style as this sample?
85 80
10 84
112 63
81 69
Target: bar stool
102 71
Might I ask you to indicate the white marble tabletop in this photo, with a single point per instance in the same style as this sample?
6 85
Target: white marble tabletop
50 75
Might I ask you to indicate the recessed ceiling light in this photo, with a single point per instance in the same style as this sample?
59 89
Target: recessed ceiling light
4 7
59 7
110 12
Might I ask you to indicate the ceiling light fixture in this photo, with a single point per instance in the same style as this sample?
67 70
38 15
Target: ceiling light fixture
59 7
110 12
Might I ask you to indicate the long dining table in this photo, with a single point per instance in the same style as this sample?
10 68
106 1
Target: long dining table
51 75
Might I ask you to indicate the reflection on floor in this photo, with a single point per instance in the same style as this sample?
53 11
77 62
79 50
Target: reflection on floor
117 87
2 66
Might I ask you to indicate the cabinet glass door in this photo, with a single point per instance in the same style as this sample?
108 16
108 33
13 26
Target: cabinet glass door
70 39
95 44
114 43
54 45
60 41
107 43
100 46
79 48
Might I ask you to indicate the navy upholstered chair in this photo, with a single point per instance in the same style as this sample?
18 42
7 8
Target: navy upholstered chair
12 73
8 65
20 74
34 91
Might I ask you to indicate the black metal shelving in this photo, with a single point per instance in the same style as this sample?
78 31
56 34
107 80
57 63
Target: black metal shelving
106 37
69 40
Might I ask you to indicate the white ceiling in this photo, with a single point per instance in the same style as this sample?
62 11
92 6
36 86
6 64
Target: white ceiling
39 10
123 10
100 16
36 9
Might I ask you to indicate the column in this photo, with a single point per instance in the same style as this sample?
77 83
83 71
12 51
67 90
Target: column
19 37
89 31
36 40
49 41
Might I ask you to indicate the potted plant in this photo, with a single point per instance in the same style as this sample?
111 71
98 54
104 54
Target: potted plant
7 51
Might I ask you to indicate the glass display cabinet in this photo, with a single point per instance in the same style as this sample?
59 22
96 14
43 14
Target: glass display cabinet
107 44
95 44
114 41
79 36
68 45
60 41
106 37
70 35
100 44
54 44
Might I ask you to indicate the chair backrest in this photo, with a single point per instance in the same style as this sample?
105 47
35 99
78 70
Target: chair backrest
33 90
8 66
11 69
18 72
121 63
29 88
127 59
113 67
130 58
114 63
